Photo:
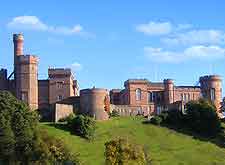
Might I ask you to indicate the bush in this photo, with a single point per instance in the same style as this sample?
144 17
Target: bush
83 126
202 118
114 114
121 151
68 118
157 120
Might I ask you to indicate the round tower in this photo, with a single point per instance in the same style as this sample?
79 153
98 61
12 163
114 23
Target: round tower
211 89
93 103
169 91
18 44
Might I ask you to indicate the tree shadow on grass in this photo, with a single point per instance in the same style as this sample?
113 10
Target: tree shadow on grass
219 139
61 126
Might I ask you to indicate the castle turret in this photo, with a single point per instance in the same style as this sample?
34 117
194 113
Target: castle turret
94 103
169 91
211 89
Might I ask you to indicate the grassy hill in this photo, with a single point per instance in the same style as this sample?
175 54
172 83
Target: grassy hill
166 147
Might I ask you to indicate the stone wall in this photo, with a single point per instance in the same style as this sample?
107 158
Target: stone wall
62 111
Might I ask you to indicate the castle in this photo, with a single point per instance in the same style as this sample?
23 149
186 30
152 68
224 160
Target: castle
139 96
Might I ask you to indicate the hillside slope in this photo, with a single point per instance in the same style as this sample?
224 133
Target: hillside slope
165 146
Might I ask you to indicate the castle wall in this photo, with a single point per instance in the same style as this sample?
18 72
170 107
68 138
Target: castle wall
92 102
62 111
43 94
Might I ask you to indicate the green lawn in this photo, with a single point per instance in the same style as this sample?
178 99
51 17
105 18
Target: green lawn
165 146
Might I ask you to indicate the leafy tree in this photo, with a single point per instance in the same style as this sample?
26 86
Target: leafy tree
121 152
83 126
21 142
202 117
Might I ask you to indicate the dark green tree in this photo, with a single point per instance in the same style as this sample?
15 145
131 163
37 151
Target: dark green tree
202 117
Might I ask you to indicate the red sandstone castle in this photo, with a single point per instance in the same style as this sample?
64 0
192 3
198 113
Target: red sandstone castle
139 96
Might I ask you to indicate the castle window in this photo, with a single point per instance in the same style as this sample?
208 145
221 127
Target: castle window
185 97
181 97
150 97
212 94
189 97
138 94
59 85
59 97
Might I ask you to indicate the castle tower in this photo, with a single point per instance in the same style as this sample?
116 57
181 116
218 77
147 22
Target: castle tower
169 91
211 89
25 74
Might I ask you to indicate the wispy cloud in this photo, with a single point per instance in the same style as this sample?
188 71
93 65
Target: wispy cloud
196 37
76 66
198 52
155 28
34 23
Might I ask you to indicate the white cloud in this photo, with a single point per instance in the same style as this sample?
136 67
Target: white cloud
155 28
194 37
34 23
76 66
27 22
198 52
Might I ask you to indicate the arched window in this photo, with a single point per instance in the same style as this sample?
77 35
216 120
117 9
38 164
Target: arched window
138 94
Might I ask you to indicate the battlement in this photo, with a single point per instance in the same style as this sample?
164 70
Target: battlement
168 81
27 59
59 72
210 78
94 90
136 81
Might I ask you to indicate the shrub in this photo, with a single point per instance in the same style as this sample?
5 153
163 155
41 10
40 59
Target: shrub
83 126
202 118
157 120
114 114
121 151
68 118
164 116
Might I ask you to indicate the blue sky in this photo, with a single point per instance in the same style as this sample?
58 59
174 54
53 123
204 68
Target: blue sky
107 42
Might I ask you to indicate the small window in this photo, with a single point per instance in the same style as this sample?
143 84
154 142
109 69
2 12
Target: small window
189 97
181 97
212 94
150 97
60 97
138 94
59 85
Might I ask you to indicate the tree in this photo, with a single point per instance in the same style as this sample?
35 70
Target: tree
121 151
21 141
202 117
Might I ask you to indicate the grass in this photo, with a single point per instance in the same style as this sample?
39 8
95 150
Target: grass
165 146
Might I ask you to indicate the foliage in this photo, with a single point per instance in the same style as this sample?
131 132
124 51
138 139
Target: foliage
202 117
20 138
83 126
157 120
68 118
121 151
114 113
